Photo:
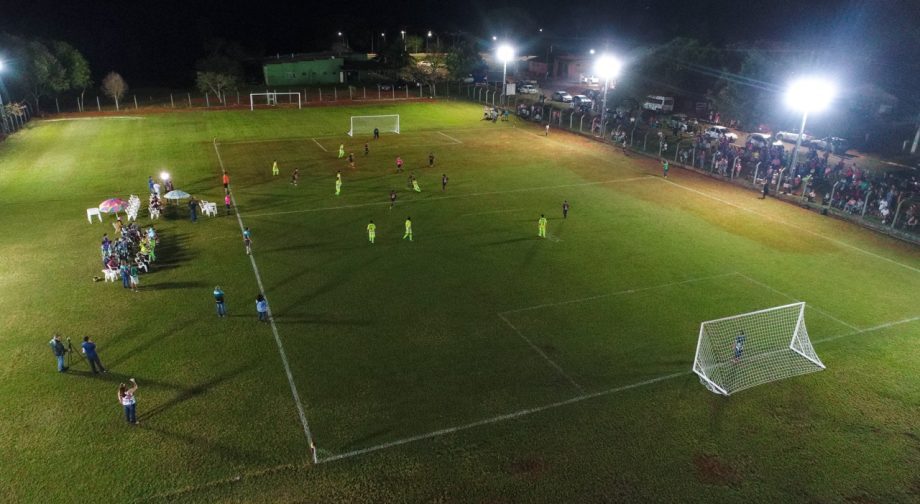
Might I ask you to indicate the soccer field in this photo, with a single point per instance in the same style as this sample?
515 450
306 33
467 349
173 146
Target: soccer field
476 363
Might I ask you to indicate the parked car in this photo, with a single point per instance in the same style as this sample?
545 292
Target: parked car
792 137
467 80
385 86
717 132
589 79
659 103
562 96
527 89
759 140
581 102
836 145
682 122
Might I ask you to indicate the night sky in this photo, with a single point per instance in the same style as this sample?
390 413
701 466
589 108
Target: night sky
157 43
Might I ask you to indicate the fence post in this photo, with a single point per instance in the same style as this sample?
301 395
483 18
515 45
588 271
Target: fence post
172 102
237 97
779 181
57 106
407 90
135 102
350 95
320 94
207 100
189 95
862 214
98 104
335 94
757 170
645 142
393 92
571 119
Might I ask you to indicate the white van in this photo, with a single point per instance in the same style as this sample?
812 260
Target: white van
659 103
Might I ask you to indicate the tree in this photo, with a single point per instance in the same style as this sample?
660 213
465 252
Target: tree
414 44
114 86
463 59
41 73
216 83
76 68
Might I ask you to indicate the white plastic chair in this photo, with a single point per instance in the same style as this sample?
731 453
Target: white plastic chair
93 212
210 209
110 275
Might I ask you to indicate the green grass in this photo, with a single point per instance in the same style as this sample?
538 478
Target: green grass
398 340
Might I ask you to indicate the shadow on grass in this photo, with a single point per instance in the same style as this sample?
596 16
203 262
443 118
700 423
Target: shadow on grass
173 285
189 393
117 378
512 240
172 251
318 319
221 450
155 339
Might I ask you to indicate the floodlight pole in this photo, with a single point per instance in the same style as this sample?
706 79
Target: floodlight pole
504 79
798 141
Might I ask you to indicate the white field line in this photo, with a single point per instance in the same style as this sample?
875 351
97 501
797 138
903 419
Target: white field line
271 319
319 145
813 307
537 349
869 329
781 221
322 137
507 210
133 118
450 137
618 293
455 196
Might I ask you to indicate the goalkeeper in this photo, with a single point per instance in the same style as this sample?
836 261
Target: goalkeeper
738 346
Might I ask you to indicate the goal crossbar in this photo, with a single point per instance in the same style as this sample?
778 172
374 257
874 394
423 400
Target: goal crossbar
741 351
367 124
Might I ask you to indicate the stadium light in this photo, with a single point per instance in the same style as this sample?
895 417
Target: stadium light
808 95
541 30
427 40
591 51
494 37
505 53
164 176
607 67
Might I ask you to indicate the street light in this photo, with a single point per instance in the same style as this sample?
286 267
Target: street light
2 109
427 40
591 51
494 37
808 95
505 53
607 67
403 33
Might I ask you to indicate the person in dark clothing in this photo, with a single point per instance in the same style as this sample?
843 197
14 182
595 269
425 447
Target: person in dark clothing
89 350
193 209
376 133
57 347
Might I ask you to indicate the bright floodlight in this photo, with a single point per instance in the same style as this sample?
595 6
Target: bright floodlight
1 65
164 176
505 53
607 67
809 95
591 51
494 37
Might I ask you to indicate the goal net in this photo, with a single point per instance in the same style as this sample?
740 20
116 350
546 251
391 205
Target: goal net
366 124
739 352
274 98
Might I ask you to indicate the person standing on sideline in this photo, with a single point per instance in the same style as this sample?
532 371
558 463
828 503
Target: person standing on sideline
341 151
275 170
193 209
366 150
57 347
295 176
227 201
766 190
371 232
125 275
443 182
219 300
226 180
126 398
623 146
541 226
665 167
430 159
89 350
247 240
392 198
134 275
150 183
156 189
408 229
262 308
546 131
565 209
376 133
399 163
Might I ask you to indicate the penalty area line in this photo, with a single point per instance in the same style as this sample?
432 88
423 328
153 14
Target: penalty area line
541 353
271 320
813 307
450 137
319 145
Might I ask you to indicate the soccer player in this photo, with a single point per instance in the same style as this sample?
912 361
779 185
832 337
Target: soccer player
341 151
430 159
408 229
415 186
541 226
399 164
226 180
351 158
443 182
392 199
295 176
546 131
371 232
275 170
665 167
565 209
366 150
338 184
376 133
247 240
739 346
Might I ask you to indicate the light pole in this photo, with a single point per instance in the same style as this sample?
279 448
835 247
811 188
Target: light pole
427 41
2 108
607 67
808 95
504 53
403 33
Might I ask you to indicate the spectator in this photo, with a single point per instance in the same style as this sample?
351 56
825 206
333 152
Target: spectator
57 347
128 401
219 300
89 350
262 308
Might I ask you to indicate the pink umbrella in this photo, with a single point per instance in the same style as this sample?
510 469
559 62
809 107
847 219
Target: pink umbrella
112 205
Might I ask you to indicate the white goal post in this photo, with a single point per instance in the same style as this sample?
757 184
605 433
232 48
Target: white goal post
271 98
739 352
366 124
